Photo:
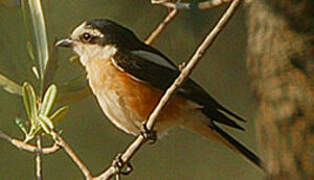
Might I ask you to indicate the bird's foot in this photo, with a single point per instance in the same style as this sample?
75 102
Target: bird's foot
149 135
118 163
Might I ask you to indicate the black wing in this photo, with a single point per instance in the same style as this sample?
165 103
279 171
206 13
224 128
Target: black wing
161 77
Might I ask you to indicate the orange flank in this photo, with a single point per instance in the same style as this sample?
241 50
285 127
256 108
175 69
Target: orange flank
131 92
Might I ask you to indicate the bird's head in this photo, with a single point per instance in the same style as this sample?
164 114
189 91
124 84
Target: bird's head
99 38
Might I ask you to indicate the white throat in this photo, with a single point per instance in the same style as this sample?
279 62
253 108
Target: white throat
94 52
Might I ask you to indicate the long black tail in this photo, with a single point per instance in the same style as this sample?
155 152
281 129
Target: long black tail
241 148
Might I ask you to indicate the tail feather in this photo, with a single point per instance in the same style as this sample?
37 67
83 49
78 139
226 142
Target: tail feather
231 113
238 146
213 132
221 118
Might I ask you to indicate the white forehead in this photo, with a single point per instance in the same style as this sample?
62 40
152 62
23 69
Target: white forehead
83 28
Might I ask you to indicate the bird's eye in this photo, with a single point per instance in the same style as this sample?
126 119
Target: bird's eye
86 36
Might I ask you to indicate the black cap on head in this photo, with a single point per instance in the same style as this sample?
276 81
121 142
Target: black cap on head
115 33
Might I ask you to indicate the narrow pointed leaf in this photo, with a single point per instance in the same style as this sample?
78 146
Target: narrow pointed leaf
48 101
40 34
57 116
35 72
35 128
44 126
30 51
10 86
21 125
47 121
29 98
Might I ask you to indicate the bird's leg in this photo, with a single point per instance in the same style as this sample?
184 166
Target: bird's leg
150 135
119 164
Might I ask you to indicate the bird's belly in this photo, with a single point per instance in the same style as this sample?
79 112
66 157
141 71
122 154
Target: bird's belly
127 102
117 111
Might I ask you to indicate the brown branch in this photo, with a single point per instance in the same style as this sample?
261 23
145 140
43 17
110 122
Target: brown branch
38 161
161 27
140 140
188 6
28 147
61 142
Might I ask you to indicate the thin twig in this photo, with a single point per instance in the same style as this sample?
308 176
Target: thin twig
28 147
188 6
162 25
48 150
140 140
5 136
39 175
72 155
125 157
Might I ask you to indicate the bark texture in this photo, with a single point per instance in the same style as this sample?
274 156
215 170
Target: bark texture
281 64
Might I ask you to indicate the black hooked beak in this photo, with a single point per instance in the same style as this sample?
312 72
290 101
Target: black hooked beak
65 43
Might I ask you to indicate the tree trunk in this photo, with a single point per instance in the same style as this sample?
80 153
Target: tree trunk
281 64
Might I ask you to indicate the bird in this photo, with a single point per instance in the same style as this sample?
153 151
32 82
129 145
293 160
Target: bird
128 78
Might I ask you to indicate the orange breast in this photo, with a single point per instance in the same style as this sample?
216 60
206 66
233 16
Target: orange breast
137 96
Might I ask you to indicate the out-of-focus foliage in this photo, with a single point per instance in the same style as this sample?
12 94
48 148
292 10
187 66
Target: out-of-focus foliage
10 86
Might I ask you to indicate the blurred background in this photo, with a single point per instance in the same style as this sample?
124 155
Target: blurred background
181 154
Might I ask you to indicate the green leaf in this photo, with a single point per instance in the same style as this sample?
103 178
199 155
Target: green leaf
49 100
44 125
30 50
35 71
21 125
29 98
40 34
59 114
46 120
10 86
35 129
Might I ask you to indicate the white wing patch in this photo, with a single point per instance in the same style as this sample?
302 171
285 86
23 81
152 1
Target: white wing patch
116 65
155 58
121 69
